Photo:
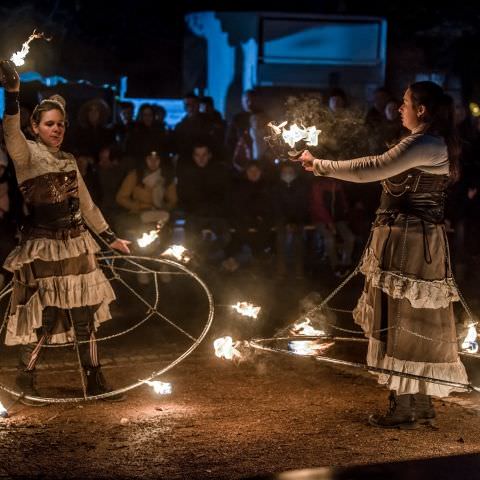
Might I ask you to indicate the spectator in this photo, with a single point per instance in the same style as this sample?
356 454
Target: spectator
337 100
195 127
251 216
214 117
110 173
290 203
147 193
329 208
376 114
124 124
92 132
88 171
147 135
202 186
238 140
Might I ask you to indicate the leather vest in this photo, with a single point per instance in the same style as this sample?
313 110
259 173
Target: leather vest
416 193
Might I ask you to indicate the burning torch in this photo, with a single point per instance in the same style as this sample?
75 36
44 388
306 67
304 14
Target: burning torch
18 58
289 143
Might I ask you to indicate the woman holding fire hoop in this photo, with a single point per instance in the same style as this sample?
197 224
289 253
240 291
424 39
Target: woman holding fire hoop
406 306
59 292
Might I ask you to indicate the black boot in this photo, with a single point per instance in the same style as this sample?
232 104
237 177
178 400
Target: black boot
424 409
401 413
25 382
97 385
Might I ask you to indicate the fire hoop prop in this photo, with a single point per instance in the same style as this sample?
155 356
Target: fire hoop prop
156 267
264 345
234 349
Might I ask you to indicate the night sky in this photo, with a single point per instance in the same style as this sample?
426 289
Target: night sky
100 41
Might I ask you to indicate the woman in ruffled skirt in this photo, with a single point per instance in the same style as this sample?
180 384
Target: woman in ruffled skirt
59 292
406 306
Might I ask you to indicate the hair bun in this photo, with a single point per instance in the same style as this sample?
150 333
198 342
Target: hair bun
59 99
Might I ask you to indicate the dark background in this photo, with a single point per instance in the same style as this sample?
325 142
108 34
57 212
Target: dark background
99 41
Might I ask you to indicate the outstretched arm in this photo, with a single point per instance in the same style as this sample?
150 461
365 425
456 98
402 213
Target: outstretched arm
411 152
14 139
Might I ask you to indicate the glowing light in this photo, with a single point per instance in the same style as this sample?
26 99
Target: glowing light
474 109
178 252
247 309
308 347
225 348
296 133
306 328
161 388
18 58
470 344
3 411
147 238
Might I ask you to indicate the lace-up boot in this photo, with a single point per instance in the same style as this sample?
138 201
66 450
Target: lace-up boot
401 413
97 385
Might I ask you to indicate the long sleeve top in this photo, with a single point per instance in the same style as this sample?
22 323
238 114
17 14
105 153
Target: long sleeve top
422 151
32 159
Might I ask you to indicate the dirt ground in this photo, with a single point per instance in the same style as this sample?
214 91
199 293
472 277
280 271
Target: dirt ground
270 414
223 422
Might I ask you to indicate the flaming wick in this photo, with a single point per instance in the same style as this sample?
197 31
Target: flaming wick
18 58
470 342
147 238
225 348
3 411
296 133
179 252
161 388
246 309
307 329
308 347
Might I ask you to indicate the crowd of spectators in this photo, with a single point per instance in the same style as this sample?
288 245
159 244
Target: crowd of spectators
236 204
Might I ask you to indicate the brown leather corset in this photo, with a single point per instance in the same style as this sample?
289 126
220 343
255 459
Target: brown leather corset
53 204
415 193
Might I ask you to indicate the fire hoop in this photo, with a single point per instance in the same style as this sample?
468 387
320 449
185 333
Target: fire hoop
262 344
156 266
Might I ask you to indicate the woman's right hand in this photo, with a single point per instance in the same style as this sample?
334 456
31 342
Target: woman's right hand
307 160
9 77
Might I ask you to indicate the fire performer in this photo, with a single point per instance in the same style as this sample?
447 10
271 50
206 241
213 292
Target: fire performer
406 306
59 292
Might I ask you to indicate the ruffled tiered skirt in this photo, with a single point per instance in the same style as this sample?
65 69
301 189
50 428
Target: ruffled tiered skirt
406 306
61 273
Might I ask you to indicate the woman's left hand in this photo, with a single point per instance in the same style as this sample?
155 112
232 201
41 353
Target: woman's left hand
121 245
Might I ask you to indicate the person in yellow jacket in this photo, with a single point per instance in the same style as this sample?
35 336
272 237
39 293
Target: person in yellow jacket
147 193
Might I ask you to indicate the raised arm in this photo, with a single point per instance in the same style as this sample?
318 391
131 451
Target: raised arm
14 138
415 151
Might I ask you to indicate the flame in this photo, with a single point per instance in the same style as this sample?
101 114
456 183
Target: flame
147 238
178 252
18 58
3 411
225 348
296 133
306 328
308 347
247 309
161 388
470 344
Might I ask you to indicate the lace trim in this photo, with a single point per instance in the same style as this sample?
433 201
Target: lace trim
420 293
451 371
